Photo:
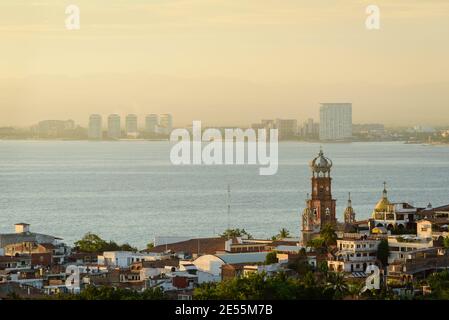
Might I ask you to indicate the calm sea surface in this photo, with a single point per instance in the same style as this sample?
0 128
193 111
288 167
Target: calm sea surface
130 192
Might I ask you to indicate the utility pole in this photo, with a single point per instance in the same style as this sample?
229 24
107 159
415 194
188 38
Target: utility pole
229 206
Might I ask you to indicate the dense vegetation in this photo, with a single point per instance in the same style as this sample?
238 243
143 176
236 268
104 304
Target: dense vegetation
110 293
234 233
279 287
92 243
439 283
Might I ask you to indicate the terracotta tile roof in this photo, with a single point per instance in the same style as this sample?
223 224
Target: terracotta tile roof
197 246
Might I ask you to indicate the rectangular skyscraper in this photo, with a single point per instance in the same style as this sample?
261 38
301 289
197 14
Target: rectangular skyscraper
287 128
166 123
95 127
335 121
151 123
131 126
114 129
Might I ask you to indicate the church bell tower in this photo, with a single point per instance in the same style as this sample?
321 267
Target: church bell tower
321 207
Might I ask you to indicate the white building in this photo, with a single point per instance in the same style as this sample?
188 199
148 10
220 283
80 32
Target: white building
335 121
151 123
95 127
354 255
401 246
114 129
166 123
211 263
123 259
131 126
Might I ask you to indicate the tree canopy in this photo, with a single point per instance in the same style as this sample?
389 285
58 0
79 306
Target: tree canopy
328 234
111 293
383 252
259 286
93 243
234 233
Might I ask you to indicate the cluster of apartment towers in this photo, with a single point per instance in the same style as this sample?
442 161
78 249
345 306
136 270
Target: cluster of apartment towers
154 125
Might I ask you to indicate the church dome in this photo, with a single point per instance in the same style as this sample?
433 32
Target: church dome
383 204
321 164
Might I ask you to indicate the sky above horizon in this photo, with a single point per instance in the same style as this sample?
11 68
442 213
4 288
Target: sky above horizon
225 62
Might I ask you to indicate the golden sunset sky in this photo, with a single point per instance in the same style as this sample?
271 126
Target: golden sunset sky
225 62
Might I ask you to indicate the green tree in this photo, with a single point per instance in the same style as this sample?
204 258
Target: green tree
439 283
283 233
234 233
110 293
92 243
446 242
300 265
150 246
318 244
328 234
337 284
271 258
383 252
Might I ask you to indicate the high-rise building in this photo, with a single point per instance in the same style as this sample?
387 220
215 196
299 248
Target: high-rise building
95 127
114 130
166 123
320 207
151 123
131 126
310 129
336 121
287 128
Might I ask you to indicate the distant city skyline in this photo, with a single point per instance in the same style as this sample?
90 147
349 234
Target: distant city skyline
224 62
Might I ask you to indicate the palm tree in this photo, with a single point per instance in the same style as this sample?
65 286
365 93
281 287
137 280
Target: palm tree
283 233
355 289
328 234
337 283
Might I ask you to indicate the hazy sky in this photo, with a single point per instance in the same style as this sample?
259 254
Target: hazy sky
224 61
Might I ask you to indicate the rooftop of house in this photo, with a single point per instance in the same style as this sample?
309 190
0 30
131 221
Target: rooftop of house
236 258
430 212
436 221
157 263
197 246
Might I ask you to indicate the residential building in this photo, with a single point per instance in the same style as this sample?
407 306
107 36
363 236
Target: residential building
401 245
335 121
354 255
114 128
212 264
287 128
25 242
95 131
151 124
124 259
166 123
131 126
310 129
